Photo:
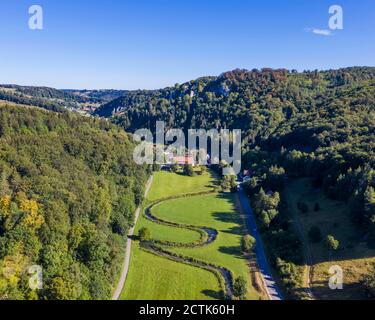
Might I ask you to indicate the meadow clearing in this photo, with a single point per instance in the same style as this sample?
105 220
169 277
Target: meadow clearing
333 217
154 277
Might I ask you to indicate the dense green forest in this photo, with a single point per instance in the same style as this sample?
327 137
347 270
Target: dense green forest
69 186
68 192
318 124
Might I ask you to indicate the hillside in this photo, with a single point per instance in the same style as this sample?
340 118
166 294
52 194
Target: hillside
318 125
68 191
84 101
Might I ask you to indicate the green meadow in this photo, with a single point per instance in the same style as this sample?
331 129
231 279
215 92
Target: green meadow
215 211
158 278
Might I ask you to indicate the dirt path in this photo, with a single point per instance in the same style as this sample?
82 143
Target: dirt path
126 263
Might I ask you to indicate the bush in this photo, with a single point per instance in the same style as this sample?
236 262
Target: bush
229 183
332 243
248 243
368 284
315 235
240 288
144 235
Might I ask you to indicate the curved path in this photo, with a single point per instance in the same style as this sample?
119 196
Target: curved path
126 263
271 287
208 236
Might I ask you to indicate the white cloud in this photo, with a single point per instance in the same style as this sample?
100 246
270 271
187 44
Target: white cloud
321 32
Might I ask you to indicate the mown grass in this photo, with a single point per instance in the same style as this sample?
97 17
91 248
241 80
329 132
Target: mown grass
156 278
215 211
168 184
153 277
354 257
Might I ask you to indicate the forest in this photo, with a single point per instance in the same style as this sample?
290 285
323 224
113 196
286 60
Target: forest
315 124
69 186
68 192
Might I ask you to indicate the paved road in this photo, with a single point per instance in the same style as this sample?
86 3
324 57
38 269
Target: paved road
271 286
125 267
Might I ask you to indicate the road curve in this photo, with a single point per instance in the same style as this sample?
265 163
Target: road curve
271 287
126 263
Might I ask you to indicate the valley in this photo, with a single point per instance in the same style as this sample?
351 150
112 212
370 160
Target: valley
219 248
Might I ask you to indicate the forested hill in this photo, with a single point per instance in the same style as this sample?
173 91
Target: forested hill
68 191
58 100
319 125
255 101
44 97
329 111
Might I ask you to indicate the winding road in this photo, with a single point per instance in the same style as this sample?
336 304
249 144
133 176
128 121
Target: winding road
271 287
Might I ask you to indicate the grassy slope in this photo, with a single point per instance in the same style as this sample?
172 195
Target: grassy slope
354 257
155 278
175 184
216 211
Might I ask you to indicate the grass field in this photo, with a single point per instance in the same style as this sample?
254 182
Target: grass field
154 278
167 184
157 278
354 257
216 211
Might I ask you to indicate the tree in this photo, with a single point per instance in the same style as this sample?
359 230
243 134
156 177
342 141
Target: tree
228 182
369 203
144 235
248 243
240 288
332 243
368 283
188 170
275 178
266 217
315 235
266 202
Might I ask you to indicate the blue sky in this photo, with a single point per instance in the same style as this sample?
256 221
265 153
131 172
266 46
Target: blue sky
131 44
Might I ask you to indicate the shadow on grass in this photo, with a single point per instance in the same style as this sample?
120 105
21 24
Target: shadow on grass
212 294
321 290
233 251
